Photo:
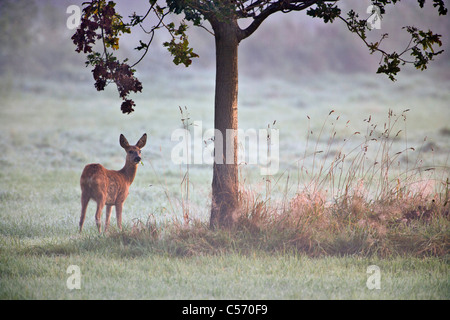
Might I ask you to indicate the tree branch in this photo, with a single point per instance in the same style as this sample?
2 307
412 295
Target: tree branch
420 45
280 5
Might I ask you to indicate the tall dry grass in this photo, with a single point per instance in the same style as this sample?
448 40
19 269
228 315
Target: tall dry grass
369 200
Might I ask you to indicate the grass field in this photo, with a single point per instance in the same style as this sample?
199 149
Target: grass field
107 275
50 130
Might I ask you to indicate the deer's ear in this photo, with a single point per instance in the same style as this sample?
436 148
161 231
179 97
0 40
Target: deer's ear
142 141
123 142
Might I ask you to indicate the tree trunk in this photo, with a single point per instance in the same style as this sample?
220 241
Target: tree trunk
225 172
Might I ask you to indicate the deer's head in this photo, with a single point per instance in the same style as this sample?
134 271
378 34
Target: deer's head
133 152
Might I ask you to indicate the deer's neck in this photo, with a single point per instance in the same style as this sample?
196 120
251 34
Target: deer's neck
129 171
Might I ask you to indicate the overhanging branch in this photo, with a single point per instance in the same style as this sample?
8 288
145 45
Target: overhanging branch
269 9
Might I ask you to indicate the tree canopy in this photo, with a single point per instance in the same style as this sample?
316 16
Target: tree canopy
101 22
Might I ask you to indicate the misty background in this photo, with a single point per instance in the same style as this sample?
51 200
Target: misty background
36 43
293 68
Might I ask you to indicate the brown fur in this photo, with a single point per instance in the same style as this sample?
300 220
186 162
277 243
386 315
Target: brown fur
109 187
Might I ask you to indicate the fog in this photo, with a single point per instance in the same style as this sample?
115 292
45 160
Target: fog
36 42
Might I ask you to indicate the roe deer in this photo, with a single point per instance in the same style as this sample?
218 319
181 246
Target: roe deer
110 187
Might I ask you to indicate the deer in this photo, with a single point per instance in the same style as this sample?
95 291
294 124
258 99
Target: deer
110 187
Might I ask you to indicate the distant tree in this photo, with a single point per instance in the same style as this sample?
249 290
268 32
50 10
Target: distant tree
101 22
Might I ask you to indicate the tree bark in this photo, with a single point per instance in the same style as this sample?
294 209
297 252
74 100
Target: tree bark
225 183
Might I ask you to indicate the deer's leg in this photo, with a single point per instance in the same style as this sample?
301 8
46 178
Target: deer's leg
119 215
108 216
84 203
98 215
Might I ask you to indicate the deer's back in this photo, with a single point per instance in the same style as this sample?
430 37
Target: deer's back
97 182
